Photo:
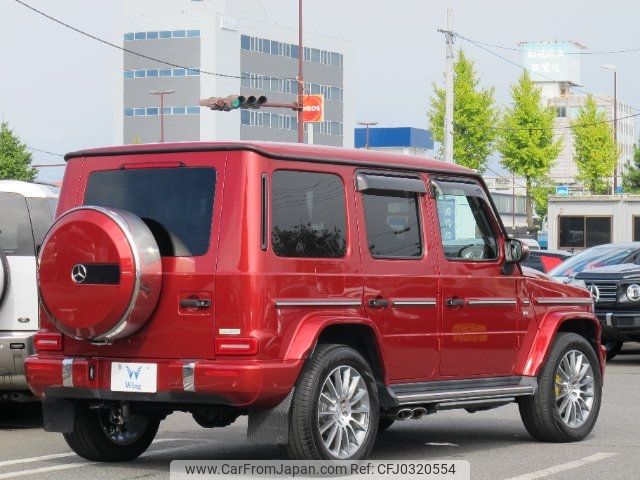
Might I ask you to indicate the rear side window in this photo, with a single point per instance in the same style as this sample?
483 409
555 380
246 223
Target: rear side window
393 228
308 215
16 236
175 203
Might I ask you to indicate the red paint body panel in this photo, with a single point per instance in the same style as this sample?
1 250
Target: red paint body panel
251 289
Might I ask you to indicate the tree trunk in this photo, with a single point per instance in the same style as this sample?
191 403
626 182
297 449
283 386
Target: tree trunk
529 203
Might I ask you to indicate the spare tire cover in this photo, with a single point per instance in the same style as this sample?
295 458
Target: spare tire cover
100 273
4 277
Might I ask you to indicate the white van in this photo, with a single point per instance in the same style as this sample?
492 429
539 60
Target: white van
26 213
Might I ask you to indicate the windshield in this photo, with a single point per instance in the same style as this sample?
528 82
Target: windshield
592 258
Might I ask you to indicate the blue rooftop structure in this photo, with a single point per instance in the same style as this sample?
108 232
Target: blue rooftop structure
399 137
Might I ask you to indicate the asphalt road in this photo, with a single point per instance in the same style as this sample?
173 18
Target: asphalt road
495 442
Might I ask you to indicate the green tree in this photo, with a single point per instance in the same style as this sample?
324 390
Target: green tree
596 153
526 141
540 194
15 159
631 179
474 116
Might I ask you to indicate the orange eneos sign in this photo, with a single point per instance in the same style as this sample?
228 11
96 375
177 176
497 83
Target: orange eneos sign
313 108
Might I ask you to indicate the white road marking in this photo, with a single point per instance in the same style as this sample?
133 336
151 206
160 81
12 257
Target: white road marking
563 467
82 463
441 444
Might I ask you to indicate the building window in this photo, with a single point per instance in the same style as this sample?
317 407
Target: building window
153 111
636 229
154 35
561 112
165 72
308 215
583 232
288 85
272 47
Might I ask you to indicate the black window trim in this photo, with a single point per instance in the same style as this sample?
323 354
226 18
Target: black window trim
584 229
492 224
387 181
264 209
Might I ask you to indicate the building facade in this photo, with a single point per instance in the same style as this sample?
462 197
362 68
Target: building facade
205 48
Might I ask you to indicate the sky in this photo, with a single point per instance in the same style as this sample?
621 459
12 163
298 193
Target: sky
56 87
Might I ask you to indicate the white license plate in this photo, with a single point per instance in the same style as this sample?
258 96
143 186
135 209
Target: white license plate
134 377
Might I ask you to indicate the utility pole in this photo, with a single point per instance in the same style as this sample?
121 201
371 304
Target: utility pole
300 76
367 125
448 114
161 94
615 120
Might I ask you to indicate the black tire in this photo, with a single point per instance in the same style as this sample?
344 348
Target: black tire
384 424
90 440
305 442
4 277
613 348
540 413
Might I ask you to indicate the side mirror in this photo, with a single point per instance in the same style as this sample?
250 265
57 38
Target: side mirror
515 251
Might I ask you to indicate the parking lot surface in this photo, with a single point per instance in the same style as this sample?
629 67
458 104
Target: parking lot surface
494 442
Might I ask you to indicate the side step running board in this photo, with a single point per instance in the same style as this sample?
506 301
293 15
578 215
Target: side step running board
526 386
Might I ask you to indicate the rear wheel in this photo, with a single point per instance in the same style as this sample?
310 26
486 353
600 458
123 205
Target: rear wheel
334 412
103 435
567 403
613 348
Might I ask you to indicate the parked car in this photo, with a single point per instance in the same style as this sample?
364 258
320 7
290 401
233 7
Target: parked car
595 257
26 213
532 243
323 292
545 260
616 293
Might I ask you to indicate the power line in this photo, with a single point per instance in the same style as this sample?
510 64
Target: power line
596 52
45 151
123 49
479 45
568 127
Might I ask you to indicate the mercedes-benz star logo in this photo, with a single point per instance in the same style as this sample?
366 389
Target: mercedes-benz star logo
79 273
595 292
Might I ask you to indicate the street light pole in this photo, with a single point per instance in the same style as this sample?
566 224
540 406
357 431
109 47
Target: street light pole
300 76
161 94
367 125
615 121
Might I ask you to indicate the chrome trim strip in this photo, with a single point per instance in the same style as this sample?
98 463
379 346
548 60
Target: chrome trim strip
491 301
564 301
67 372
188 379
526 302
608 319
303 302
457 395
414 302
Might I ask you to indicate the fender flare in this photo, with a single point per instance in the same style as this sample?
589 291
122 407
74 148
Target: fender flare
5 277
549 327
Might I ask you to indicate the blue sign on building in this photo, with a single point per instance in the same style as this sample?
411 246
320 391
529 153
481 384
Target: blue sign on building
562 190
394 137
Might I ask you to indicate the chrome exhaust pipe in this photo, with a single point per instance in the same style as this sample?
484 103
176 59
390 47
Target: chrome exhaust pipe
419 412
404 414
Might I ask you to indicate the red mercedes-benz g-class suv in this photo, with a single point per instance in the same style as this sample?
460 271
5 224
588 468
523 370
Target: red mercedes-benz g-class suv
323 292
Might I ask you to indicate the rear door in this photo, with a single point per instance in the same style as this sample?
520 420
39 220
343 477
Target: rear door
19 309
179 197
480 305
400 281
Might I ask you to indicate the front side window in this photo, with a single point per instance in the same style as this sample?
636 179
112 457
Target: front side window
16 236
393 228
465 228
175 203
308 215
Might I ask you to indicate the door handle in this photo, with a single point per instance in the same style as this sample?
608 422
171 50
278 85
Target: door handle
199 303
455 302
378 303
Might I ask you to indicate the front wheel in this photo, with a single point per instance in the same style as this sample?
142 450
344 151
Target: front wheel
567 403
104 435
334 412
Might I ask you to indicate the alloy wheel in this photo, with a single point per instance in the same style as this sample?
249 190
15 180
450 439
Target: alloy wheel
574 389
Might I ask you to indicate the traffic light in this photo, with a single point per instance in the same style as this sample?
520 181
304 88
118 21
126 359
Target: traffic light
233 102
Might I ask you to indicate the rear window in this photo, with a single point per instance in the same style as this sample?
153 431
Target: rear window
175 203
16 236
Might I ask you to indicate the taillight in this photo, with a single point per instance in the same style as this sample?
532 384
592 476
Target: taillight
236 346
47 342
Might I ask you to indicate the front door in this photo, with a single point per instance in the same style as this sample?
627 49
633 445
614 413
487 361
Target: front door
400 283
480 305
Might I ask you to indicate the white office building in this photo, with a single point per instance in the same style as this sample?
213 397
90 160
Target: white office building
205 48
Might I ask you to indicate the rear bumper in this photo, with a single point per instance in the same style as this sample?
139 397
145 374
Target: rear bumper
15 347
239 383
619 324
